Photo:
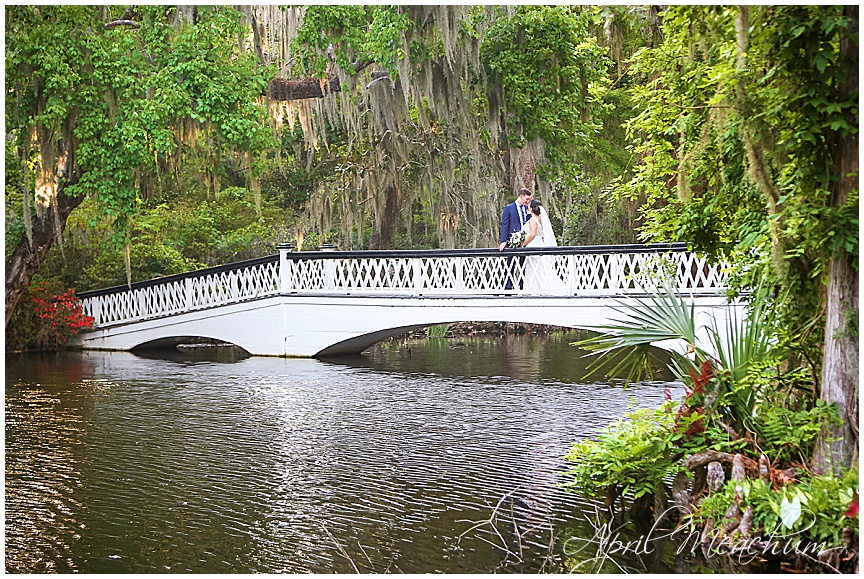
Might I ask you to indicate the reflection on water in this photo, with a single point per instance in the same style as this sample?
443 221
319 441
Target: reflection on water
521 358
423 456
227 354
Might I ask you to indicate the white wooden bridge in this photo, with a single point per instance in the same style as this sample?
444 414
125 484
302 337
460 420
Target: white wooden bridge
331 303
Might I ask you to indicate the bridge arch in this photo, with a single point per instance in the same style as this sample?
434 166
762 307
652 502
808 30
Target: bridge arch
169 342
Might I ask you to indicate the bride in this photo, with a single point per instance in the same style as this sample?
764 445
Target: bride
540 273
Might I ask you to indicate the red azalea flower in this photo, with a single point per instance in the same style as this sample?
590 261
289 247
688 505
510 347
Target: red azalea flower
852 511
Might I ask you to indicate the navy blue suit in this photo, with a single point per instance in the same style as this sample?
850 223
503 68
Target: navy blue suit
510 223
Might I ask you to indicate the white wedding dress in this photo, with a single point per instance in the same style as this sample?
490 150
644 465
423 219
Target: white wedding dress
541 275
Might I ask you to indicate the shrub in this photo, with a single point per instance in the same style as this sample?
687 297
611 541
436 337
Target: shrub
630 455
638 452
816 509
787 435
46 318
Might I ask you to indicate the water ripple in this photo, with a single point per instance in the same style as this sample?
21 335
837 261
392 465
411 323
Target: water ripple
264 465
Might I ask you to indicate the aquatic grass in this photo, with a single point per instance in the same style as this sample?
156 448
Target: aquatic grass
438 331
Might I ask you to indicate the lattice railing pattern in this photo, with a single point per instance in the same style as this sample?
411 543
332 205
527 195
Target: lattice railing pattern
178 296
567 273
585 274
641 272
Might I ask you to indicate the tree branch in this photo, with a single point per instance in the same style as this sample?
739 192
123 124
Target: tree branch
289 89
118 23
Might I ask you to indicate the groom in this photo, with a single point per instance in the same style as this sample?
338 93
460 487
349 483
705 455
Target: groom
512 218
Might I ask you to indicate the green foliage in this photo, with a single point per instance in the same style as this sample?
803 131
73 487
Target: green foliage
355 34
726 368
786 435
126 93
14 207
739 160
645 449
596 220
640 451
311 241
438 331
546 77
342 27
664 319
552 73
816 509
742 391
299 171
633 454
187 233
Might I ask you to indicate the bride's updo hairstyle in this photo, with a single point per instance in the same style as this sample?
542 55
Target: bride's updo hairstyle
535 206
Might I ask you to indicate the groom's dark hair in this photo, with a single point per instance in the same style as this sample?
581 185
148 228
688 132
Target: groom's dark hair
524 191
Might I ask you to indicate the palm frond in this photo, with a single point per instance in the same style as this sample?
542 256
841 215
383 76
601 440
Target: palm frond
744 342
744 345
662 317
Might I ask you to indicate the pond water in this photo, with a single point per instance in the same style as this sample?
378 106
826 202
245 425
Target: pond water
436 455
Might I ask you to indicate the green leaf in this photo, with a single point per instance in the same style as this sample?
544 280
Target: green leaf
790 512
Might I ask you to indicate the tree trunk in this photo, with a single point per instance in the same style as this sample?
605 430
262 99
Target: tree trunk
758 163
837 447
25 259
382 237
522 169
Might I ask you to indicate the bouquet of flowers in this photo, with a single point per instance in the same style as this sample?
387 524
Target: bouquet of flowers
516 239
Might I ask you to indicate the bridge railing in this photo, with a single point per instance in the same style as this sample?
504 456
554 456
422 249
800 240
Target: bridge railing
555 271
186 292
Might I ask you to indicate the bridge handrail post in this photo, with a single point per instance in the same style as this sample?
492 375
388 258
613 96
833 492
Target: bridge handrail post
684 276
234 286
284 265
572 281
616 273
417 266
190 294
141 303
330 274
94 305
